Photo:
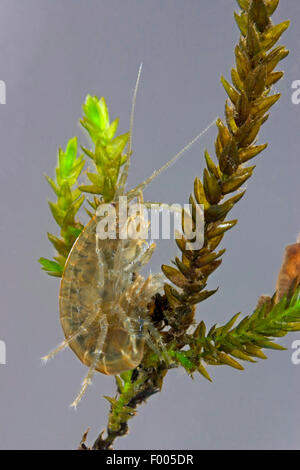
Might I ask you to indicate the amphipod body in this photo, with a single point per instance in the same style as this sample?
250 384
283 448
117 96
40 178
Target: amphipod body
289 272
290 269
103 300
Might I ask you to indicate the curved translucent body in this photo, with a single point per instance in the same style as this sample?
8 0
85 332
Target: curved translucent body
101 289
289 271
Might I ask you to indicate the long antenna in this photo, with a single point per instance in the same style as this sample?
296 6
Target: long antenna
124 174
133 192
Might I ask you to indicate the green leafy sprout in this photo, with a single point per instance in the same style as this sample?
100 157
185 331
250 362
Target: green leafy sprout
107 156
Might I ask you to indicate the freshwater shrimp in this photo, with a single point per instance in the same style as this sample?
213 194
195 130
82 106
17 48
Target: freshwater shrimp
103 299
288 273
290 269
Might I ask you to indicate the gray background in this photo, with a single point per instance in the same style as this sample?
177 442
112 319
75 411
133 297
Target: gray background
52 53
